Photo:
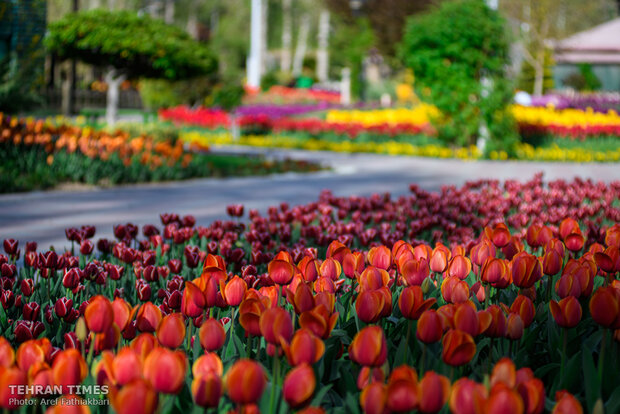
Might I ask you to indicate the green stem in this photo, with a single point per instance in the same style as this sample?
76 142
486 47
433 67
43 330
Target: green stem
248 349
601 357
422 359
91 351
407 339
486 296
563 362
189 334
274 381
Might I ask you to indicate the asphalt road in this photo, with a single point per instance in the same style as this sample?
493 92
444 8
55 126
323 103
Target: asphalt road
43 216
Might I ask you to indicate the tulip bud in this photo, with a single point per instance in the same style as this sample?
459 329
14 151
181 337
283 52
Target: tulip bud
212 335
245 381
299 385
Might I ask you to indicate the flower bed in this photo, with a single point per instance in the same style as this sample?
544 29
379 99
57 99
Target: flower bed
39 154
485 298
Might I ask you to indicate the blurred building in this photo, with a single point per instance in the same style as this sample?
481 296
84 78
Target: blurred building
598 47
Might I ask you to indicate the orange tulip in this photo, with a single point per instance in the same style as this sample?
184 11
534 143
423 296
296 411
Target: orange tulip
402 390
208 363
504 372
69 404
171 330
364 377
439 259
126 366
302 300
605 307
299 385
574 241
143 344
373 398
429 328
212 335
250 311
99 314
566 312
524 307
526 270
7 354
136 397
496 272
148 317
411 302
280 271
245 381
28 354
305 347
532 393
467 397
69 368
514 246
434 392
319 320
538 235
369 347
369 306
466 318
414 272
353 264
373 278
165 370
458 348
497 327
309 268
604 262
11 376
276 325
193 301
122 313
207 390
233 291
552 262
503 399
481 251
514 327
331 268
460 266
108 339
454 290
566 404
380 257
499 234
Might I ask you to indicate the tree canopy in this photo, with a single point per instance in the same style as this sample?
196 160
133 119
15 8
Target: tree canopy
139 46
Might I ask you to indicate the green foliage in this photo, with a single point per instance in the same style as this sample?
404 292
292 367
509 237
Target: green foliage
17 85
527 75
451 50
159 131
162 93
584 80
139 45
228 95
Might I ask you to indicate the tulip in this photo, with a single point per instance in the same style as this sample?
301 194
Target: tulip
62 307
373 398
380 257
31 311
245 381
99 314
233 291
373 278
412 304
439 259
369 375
11 376
207 390
566 312
122 313
276 325
429 328
305 347
499 234
496 272
460 267
566 404
280 271
250 311
193 302
402 392
369 306
504 372
7 354
524 307
503 399
148 317
369 347
212 335
319 320
302 300
514 328
497 327
434 391
171 330
481 251
605 307
126 366
552 262
467 397
466 319
353 264
574 242
165 370
532 393
538 235
526 270
458 348
299 385
108 339
69 368
208 363
136 397
414 272
29 353
454 290
331 269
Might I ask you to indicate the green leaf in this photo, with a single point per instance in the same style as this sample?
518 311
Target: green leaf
318 398
613 404
591 380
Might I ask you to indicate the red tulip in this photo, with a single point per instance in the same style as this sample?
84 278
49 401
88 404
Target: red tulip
566 404
434 392
460 266
524 307
458 348
532 393
212 335
369 306
566 312
526 270
305 347
552 262
605 307
504 372
439 258
503 399
411 302
496 272
148 317
245 381
373 398
369 347
429 327
319 320
99 314
299 385
514 329
171 330
414 271
281 272
207 390
276 325
69 368
380 257
250 311
499 234
467 397
165 370
402 394
353 264
233 291
454 290
122 313
193 302
136 397
126 366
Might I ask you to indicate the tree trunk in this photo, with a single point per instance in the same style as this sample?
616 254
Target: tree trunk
302 45
114 80
263 35
287 36
322 56
539 72
192 20
169 11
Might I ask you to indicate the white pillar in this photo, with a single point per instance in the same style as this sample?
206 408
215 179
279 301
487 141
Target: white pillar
254 60
322 56
345 87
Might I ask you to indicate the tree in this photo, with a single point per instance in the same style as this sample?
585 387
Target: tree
538 23
130 46
451 51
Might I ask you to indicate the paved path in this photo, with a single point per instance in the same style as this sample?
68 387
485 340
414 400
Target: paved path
43 216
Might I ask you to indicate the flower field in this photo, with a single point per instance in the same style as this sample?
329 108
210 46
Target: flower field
487 298
41 154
